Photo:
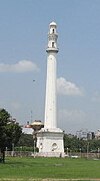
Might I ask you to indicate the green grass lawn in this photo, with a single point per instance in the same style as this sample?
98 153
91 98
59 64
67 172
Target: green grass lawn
61 168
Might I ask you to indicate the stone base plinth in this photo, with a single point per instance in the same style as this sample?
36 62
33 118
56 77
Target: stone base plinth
50 143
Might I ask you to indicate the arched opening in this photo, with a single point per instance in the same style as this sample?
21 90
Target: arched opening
53 45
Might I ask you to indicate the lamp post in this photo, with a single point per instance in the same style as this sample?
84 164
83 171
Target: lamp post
80 153
67 151
34 148
98 152
70 153
87 149
6 151
12 149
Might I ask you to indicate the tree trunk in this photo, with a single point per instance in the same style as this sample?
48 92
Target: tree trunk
3 156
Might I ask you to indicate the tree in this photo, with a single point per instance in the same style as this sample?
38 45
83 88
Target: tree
26 140
10 132
74 144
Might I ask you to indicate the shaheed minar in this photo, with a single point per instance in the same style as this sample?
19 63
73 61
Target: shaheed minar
50 138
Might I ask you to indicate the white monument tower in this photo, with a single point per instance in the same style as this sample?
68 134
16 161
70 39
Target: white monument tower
50 138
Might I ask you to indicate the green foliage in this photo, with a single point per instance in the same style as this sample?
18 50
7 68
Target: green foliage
26 140
74 144
24 148
13 132
4 119
10 131
26 143
94 145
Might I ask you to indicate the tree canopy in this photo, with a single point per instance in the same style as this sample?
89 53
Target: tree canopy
74 144
10 131
26 140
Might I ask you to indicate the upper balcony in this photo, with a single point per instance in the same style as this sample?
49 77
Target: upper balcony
52 49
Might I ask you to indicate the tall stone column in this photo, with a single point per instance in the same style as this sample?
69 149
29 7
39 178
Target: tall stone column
50 138
50 102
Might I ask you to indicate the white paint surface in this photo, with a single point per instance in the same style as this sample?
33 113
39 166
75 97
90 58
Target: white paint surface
50 138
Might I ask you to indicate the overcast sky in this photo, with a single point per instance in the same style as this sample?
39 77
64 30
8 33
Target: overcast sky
23 40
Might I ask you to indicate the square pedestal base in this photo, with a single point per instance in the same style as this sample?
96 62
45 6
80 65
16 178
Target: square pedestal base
50 143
